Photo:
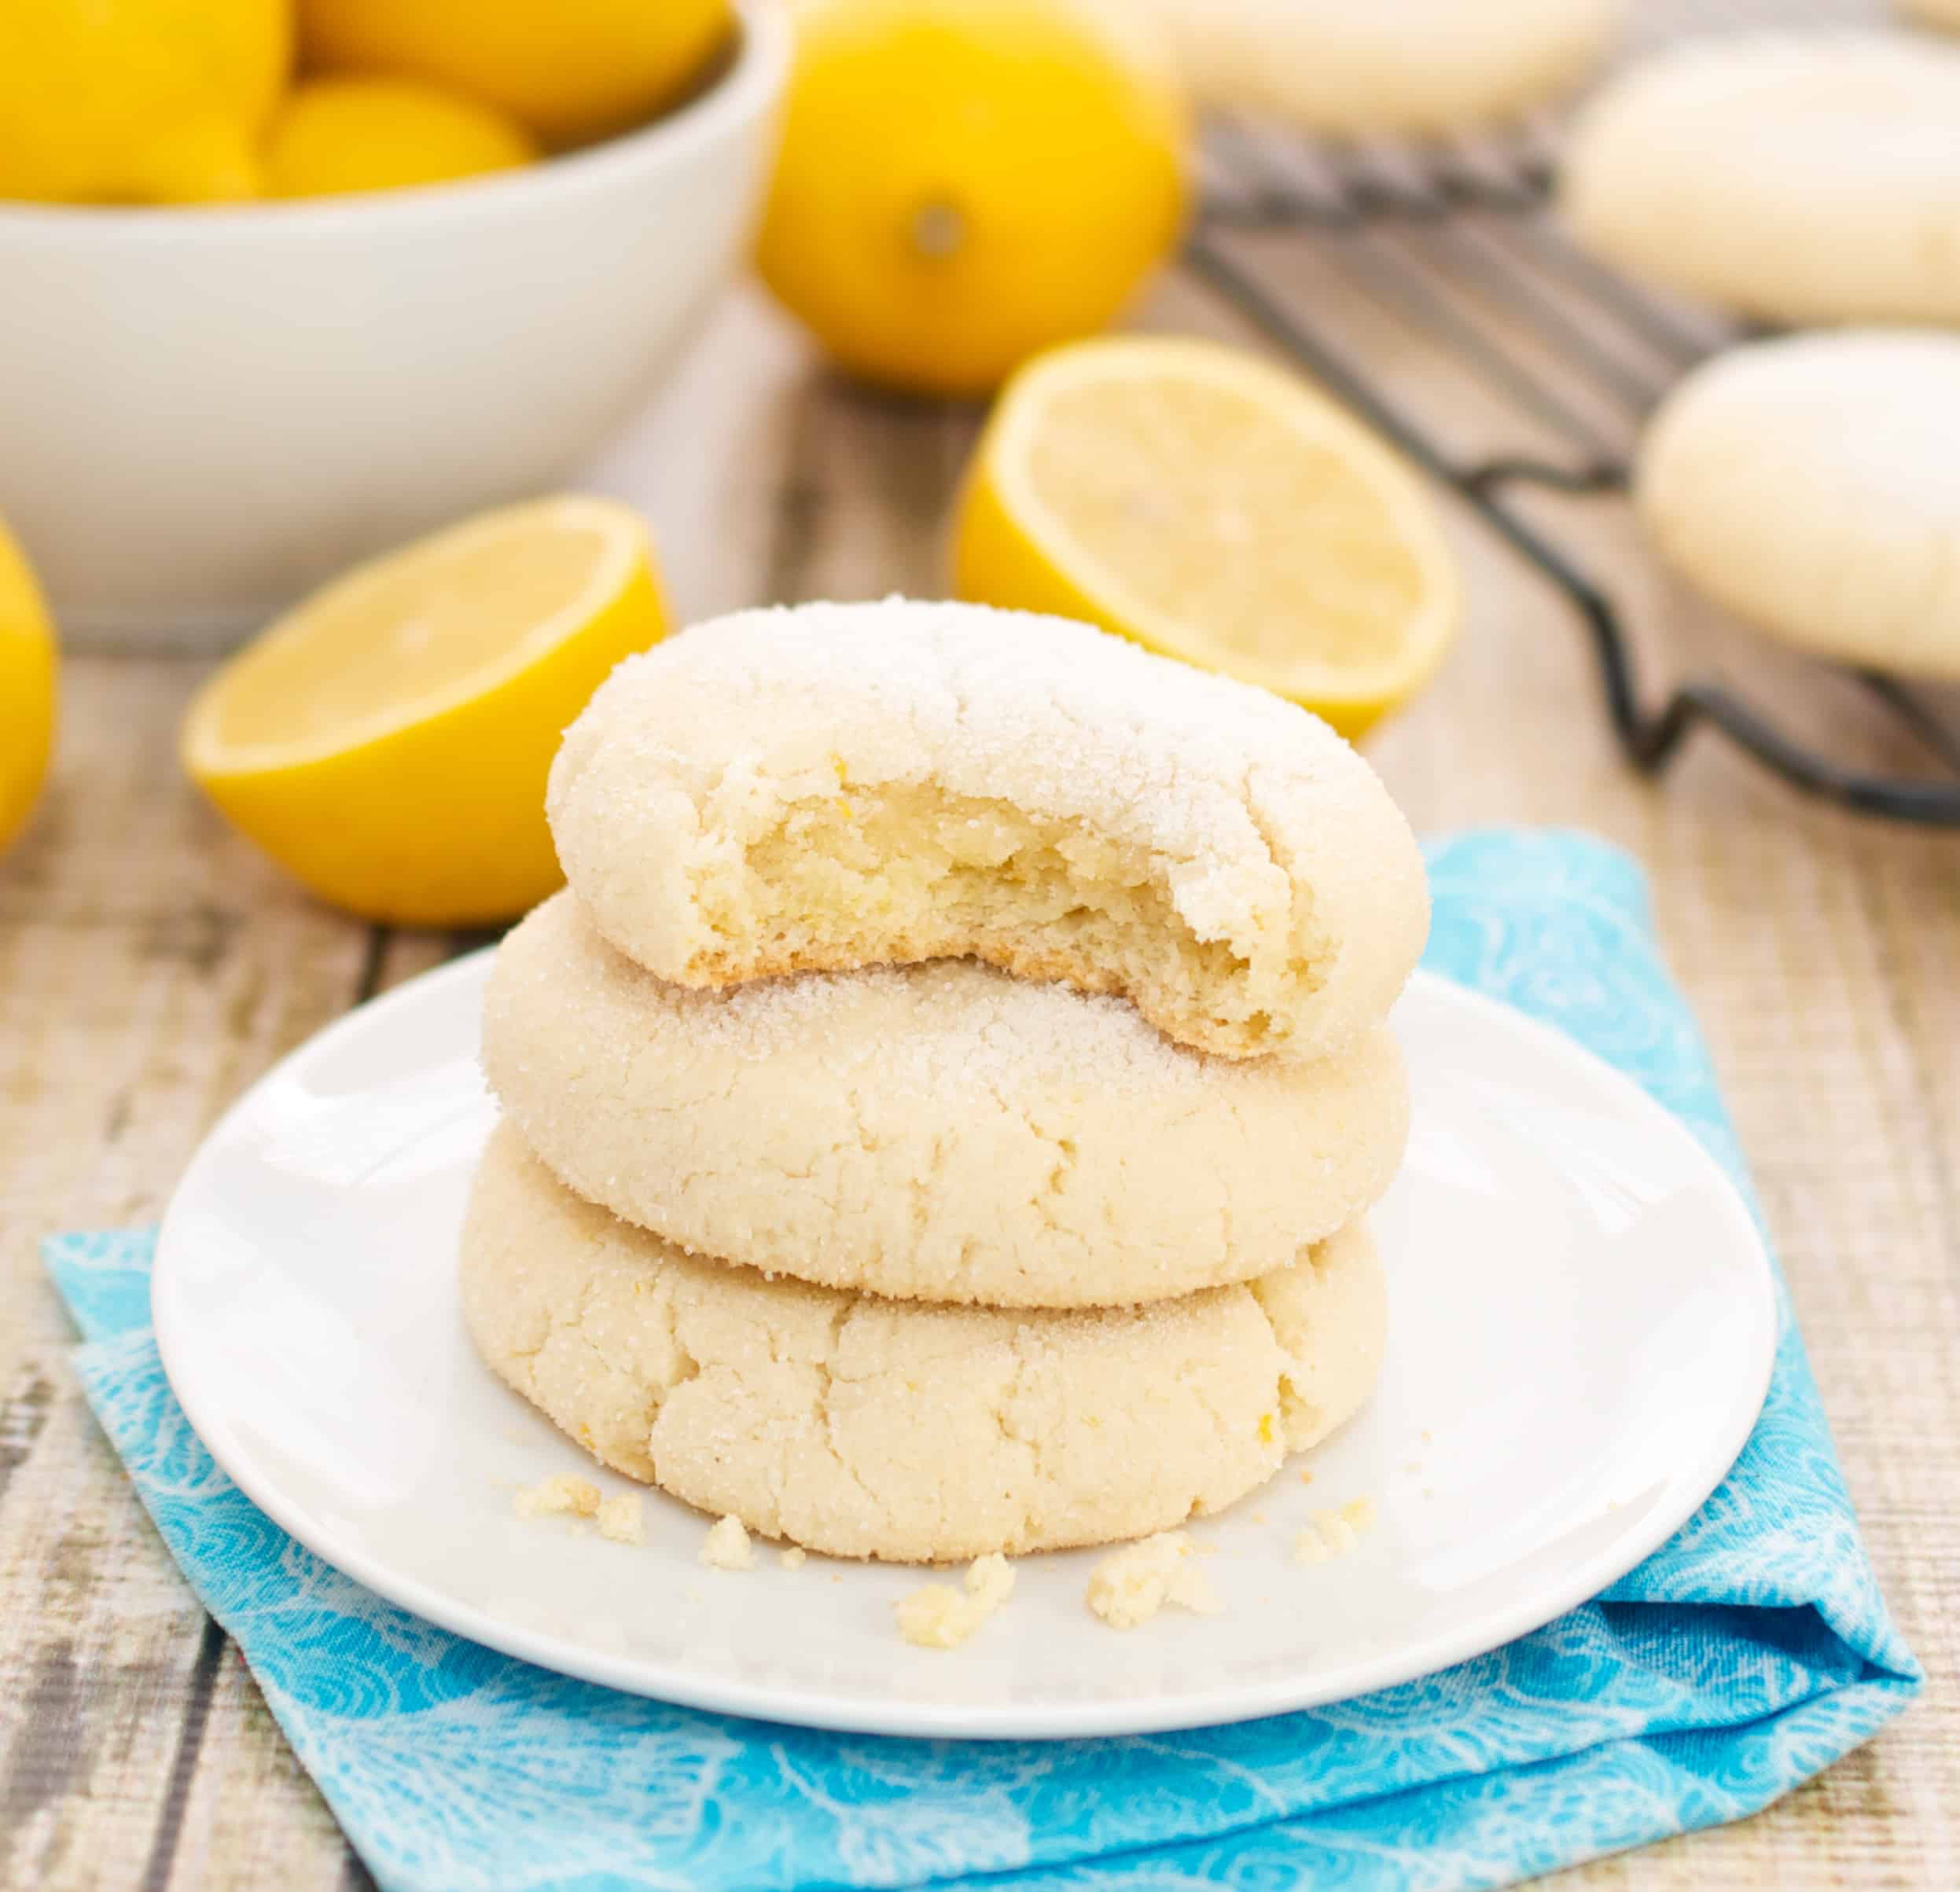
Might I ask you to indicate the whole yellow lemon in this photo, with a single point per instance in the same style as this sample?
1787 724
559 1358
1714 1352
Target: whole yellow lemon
570 70
964 183
27 667
136 101
333 135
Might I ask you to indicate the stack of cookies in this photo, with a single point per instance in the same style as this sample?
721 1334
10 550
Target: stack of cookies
939 1112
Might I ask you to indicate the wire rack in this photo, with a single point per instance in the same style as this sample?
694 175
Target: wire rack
1453 245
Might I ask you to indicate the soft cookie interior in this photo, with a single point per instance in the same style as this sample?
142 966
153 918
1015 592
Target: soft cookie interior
848 785
905 871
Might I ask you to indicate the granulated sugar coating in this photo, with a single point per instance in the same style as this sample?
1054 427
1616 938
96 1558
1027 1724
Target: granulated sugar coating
939 1132
837 786
873 1428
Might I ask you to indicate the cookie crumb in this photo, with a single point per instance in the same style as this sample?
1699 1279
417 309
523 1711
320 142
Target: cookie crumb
792 1556
727 1546
1131 1585
561 1497
936 1616
622 1518
991 1581
1305 1477
1334 1533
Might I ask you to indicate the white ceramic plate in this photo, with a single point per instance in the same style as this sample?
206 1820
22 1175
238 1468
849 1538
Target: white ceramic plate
1582 1322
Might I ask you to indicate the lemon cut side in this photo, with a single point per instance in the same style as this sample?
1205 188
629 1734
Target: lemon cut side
1217 508
388 741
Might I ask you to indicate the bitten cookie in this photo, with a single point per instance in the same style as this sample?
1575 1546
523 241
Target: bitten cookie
844 785
1796 178
1811 485
938 1132
1416 66
871 1428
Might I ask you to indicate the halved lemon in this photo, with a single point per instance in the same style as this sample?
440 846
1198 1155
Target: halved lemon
1216 508
388 741
29 666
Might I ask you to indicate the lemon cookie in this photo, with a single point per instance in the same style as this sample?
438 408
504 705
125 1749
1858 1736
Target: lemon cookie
873 1428
843 785
1796 178
1408 66
940 1132
1811 485
1935 12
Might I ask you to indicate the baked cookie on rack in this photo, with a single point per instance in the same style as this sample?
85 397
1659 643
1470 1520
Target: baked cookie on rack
1793 178
1397 66
1811 485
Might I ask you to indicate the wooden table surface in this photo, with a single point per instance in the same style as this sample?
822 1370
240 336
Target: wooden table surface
152 965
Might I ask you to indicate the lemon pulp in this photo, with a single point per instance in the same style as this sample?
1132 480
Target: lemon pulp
388 740
1216 508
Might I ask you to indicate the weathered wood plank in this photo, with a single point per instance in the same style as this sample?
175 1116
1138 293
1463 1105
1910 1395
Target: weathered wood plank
150 966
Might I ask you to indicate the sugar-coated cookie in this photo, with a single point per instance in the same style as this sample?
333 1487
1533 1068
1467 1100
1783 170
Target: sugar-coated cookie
1406 66
939 1132
1795 178
843 785
1812 486
872 1428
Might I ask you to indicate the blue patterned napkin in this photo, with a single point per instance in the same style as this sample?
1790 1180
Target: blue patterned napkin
1745 1655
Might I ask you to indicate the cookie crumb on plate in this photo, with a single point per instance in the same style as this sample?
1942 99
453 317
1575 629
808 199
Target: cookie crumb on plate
936 1616
727 1546
1131 1585
1333 1533
563 1496
622 1518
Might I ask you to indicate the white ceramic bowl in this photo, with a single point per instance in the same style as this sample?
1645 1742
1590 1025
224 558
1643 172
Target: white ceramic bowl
204 411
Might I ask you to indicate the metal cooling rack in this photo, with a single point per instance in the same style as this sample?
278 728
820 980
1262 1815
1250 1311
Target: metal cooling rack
1261 184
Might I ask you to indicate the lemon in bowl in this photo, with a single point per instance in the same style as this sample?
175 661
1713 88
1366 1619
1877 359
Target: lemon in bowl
388 741
210 410
1216 508
572 70
137 101
331 137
